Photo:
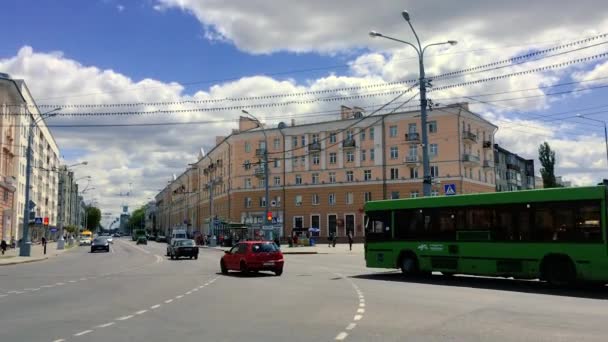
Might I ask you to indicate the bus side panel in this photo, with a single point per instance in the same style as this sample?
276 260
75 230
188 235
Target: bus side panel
380 255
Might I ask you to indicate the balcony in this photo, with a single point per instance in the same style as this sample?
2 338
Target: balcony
469 137
487 144
488 164
349 143
412 160
413 138
314 147
513 166
260 172
260 152
470 159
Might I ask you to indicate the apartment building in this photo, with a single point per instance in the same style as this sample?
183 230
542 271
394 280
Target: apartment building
321 174
9 96
512 171
44 178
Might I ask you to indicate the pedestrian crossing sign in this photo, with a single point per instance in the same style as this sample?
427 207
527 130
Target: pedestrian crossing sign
449 189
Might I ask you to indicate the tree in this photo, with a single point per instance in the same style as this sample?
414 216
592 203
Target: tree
93 217
136 221
547 160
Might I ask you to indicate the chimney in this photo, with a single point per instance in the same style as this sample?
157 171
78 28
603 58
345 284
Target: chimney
345 112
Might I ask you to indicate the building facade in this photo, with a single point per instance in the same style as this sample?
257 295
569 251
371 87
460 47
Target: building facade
321 174
512 171
150 217
11 100
68 199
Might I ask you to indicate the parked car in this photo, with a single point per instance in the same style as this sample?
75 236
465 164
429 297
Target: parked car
109 238
100 243
116 235
173 242
253 256
85 240
161 238
183 248
142 240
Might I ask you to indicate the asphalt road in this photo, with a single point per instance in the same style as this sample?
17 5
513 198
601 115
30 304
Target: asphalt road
135 293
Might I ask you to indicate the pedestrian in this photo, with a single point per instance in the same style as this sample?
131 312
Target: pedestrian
3 246
350 240
43 240
330 238
335 239
277 241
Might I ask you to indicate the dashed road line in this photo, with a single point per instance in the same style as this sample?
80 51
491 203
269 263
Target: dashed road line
189 292
3 295
155 306
357 317
105 325
141 312
59 340
341 336
168 301
83 332
179 297
351 326
124 318
60 283
72 281
360 309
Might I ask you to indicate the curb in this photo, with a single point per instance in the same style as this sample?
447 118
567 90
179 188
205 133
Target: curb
23 261
300 253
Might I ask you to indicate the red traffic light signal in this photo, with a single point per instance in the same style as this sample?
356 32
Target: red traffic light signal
46 221
269 216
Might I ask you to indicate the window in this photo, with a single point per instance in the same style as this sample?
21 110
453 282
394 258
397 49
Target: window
367 196
247 147
303 159
315 159
394 173
413 172
298 199
413 151
434 171
277 163
294 161
247 183
315 221
411 128
363 152
277 180
315 138
349 198
393 131
362 134
298 179
332 158
315 199
277 143
315 178
479 174
371 133
298 222
349 176
332 177
367 175
377 226
372 154
414 194
433 150
332 199
434 193
394 152
394 194
350 157
332 138
303 140
295 141
262 182
349 135
262 145
432 126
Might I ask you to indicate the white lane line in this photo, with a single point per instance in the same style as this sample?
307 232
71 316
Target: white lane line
140 312
341 336
179 297
133 246
47 286
105 325
3 295
360 310
72 281
12 291
357 318
189 292
19 292
36 289
83 332
59 340
60 284
362 305
194 290
124 318
351 326
29 289
83 278
168 301
155 306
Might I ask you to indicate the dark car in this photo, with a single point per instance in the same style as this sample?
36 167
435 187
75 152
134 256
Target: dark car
253 256
183 248
100 243
161 238
142 240
171 245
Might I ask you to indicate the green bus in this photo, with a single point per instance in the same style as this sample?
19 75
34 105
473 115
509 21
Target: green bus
558 235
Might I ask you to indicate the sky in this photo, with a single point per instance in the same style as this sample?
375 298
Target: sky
102 52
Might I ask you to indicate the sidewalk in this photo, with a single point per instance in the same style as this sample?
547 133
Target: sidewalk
318 249
11 257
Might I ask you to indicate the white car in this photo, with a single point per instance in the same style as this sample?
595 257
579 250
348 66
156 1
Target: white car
85 241
109 239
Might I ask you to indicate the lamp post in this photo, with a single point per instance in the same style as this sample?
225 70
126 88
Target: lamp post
26 244
605 131
61 218
426 183
265 158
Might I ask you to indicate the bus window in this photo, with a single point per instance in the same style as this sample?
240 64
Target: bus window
378 226
588 222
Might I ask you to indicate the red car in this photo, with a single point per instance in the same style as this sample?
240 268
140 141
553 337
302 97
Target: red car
253 256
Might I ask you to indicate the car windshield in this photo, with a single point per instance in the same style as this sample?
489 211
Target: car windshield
186 243
99 240
264 248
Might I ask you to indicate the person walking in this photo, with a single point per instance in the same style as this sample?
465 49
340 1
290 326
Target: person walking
350 240
330 239
3 246
43 240
335 239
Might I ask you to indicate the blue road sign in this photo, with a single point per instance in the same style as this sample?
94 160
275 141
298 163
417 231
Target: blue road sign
38 220
32 205
53 230
449 189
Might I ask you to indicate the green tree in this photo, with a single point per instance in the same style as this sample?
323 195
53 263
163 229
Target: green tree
137 219
93 217
547 160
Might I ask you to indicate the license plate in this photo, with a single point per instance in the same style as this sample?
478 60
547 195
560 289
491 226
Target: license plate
270 263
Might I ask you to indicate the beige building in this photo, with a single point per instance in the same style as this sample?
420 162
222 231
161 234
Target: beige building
321 174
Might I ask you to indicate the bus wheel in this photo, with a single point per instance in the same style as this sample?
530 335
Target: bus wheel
409 264
558 270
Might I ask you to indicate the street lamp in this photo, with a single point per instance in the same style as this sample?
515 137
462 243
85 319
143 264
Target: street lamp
266 180
605 131
426 184
26 244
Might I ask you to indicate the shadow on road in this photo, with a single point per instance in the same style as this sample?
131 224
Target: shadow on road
525 286
246 274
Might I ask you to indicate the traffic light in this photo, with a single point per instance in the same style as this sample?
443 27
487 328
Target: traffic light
269 216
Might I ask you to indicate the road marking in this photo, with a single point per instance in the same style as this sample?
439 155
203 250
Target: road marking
159 258
360 310
140 312
47 286
29 289
36 289
3 295
59 340
189 292
168 301
72 281
362 305
12 291
83 278
179 297
19 292
341 336
155 306
83 332
136 247
124 318
351 326
357 317
105 325
194 290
